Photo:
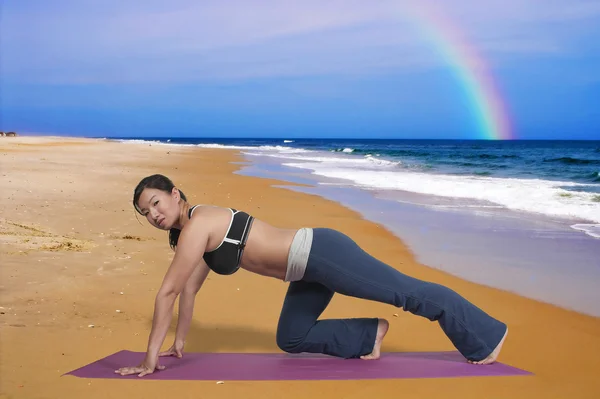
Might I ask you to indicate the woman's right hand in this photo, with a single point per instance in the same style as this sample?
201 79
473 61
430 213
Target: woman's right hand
175 350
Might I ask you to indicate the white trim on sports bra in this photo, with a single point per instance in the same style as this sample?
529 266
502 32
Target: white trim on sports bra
225 239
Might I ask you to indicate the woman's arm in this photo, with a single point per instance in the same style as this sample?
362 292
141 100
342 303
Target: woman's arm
187 300
190 249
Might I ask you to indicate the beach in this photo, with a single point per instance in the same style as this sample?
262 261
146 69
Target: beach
80 272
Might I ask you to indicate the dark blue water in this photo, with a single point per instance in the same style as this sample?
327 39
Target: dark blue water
521 215
576 161
573 161
553 178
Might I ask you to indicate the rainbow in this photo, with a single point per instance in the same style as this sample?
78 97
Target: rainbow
486 102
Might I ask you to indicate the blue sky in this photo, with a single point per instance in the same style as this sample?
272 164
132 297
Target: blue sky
292 69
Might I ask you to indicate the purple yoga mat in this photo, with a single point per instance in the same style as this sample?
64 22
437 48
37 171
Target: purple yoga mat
261 366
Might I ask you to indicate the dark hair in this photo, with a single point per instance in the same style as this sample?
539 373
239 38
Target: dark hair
162 183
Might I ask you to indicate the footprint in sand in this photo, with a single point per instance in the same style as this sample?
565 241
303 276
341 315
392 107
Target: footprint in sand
21 239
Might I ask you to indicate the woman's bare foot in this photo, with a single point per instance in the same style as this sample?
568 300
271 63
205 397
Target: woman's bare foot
494 355
382 329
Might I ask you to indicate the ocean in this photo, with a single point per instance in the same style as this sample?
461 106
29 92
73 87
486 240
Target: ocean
523 216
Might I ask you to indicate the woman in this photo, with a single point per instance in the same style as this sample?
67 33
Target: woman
317 262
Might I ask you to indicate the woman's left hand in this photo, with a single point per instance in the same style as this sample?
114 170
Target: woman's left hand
147 367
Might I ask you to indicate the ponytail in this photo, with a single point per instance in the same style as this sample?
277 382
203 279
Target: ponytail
173 232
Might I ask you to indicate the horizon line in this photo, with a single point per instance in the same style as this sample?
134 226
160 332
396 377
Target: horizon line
108 137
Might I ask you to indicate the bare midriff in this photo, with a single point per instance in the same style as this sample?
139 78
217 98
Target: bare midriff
267 250
267 246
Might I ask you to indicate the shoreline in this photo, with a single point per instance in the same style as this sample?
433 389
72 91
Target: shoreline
468 245
56 294
308 187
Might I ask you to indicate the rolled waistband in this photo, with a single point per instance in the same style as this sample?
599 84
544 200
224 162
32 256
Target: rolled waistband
298 255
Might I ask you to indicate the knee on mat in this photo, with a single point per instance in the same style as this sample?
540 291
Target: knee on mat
287 343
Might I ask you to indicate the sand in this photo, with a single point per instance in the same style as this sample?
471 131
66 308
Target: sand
79 273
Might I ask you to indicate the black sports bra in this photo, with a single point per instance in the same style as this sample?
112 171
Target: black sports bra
225 259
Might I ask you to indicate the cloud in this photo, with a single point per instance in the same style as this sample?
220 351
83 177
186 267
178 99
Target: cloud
85 42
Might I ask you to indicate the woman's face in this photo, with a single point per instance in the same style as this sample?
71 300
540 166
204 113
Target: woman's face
160 208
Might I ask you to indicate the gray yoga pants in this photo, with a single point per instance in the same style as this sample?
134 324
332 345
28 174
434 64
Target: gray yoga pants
337 264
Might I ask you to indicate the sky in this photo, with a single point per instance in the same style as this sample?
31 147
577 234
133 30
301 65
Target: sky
499 69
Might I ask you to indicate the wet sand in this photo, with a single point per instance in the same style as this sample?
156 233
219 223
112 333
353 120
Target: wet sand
73 253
